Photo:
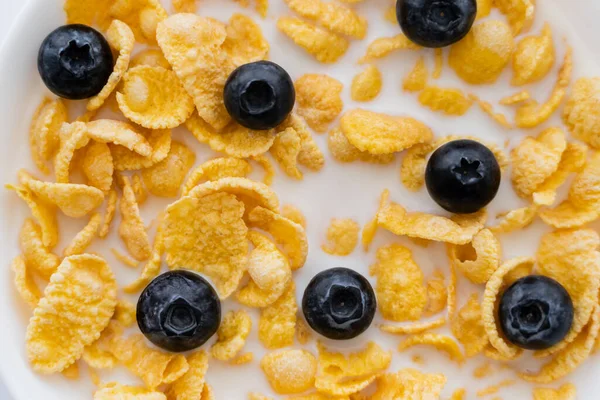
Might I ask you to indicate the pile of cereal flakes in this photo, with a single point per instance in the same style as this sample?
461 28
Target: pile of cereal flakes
225 225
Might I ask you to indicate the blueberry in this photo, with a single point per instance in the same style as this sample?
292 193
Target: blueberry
179 311
535 312
339 303
259 95
463 176
436 23
75 61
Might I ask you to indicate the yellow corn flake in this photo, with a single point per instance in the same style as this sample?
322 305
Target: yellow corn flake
256 396
267 165
152 366
277 324
245 42
367 84
194 47
483 371
437 293
415 328
400 290
125 313
207 393
447 101
343 151
294 214
390 15
116 391
71 372
568 391
484 8
492 389
124 258
290 371
235 140
582 109
533 114
467 327
243 359
231 336
335 17
325 46
459 394
342 237
77 305
285 151
516 99
166 177
132 230
84 238
520 13
514 220
152 267
184 6
208 235
487 108
127 160
109 214
383 134
97 166
318 98
494 286
141 195
119 133
382 47
24 283
533 58
141 15
310 155
417 78
122 40
151 57
43 132
88 12
442 343
303 331
479 259
409 384
72 138
35 253
340 375
191 384
483 54
216 169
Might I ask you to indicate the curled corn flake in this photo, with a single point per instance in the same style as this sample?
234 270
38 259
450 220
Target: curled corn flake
367 84
487 108
495 388
303 331
152 366
267 165
43 213
319 101
166 177
343 151
243 359
568 391
141 195
582 110
335 17
119 133
441 342
400 290
235 140
325 46
290 371
124 258
340 375
245 42
294 214
84 238
43 132
116 391
151 57
88 12
514 220
152 267
310 155
194 47
467 327
72 199
533 114
415 328
109 213
277 324
342 237
382 47
141 15
121 38
184 6
409 384
437 293
127 160
216 169
520 13
208 234
96 356
285 151
231 336
154 98
483 54
383 134
416 80
72 138
97 166
24 282
479 259
132 230
77 305
494 286
191 384
516 99
35 253
533 58
448 101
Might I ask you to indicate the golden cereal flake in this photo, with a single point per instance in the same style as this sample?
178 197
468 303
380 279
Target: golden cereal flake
568 391
467 327
116 391
231 336
390 15
310 155
514 220
97 166
36 255
159 141
294 214
447 101
152 267
216 169
520 13
119 133
24 283
184 6
487 108
166 177
367 84
479 259
492 389
285 151
415 328
409 383
516 99
152 57
382 47
109 213
88 12
342 237
267 166
484 7
533 58
442 343
277 324
437 293
245 42
290 371
124 258
343 151
131 229
318 98
303 331
335 17
190 385
72 138
84 238
417 78
325 46
141 15
582 111
141 195
43 132
125 313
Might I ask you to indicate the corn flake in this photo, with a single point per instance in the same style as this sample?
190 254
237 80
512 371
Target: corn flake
487 108
580 114
343 151
97 166
533 58
382 47
152 267
216 169
516 99
43 132
132 230
437 294
310 155
514 220
127 160
318 100
325 46
447 101
335 17
267 165
277 324
441 342
184 6
141 15
72 138
88 12
151 57
191 384
416 80
479 259
290 371
342 237
166 177
245 42
415 328
35 253
119 133
294 214
367 84
231 336
24 282
467 327
116 391
303 331
409 384
109 214
520 13
565 392
285 151
84 238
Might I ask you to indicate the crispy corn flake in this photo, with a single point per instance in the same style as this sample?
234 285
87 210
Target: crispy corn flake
534 160
24 282
514 220
109 213
288 234
153 367
72 138
533 58
533 114
568 391
520 13
400 290
43 132
382 47
483 54
235 140
141 15
447 101
35 253
483 371
166 177
116 391
184 6
492 389
415 328
467 327
43 213
488 109
124 258
459 394
325 46
383 134
443 343
77 305
437 293
242 359
84 238
318 98
290 371
137 184
125 313
310 155
97 166
121 39
88 12
367 84
285 151
191 384
516 99
257 396
216 169
208 235
194 47
277 324
154 98
152 267
72 199
343 151
582 110
127 160
342 237
303 331
390 15
335 17
293 213
343 375
267 166
119 133
231 336
494 286
132 230
151 57
97 356
417 78
479 259
409 383
245 42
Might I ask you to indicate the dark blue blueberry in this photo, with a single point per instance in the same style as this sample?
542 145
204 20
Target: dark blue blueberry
259 95
179 311
75 62
339 303
535 312
436 23
463 176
